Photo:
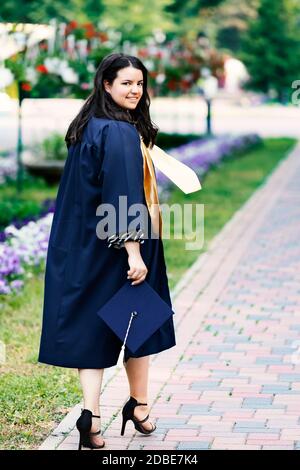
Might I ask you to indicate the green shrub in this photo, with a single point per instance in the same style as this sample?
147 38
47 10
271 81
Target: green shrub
167 141
52 148
15 209
27 204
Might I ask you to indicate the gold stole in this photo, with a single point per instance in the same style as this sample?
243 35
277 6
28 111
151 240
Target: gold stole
150 188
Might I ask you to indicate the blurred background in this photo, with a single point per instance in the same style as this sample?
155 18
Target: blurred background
224 81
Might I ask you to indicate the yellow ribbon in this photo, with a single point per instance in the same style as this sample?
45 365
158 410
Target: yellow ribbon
150 188
178 172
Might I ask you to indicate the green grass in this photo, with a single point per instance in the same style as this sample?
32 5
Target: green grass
35 397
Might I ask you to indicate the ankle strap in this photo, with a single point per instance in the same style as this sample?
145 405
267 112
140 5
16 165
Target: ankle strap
94 416
136 403
95 433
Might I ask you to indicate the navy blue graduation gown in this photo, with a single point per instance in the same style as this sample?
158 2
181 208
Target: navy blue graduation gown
82 271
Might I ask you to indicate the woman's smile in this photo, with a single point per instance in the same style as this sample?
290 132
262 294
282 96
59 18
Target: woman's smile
129 80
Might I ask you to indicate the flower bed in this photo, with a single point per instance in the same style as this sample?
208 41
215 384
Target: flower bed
24 248
64 64
47 206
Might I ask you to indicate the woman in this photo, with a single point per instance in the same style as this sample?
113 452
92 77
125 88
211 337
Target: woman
83 270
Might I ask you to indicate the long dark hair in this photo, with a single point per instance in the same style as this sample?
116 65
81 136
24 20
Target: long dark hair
101 104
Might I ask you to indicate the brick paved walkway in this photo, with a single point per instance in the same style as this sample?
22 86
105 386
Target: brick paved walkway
233 379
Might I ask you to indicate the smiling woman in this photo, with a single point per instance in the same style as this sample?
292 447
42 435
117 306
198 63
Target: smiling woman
104 162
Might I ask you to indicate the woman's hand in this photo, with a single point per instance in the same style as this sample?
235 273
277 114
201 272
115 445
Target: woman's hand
138 270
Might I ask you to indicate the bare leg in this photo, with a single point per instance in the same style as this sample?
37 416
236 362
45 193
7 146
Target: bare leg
137 369
91 382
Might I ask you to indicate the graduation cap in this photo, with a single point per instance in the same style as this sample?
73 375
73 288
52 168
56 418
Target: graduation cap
134 313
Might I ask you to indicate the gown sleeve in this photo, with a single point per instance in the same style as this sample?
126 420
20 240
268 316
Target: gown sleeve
123 175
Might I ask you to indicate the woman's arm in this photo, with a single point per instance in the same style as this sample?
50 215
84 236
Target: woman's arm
123 175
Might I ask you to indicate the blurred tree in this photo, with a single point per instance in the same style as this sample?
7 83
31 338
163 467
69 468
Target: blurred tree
271 47
191 7
230 22
137 20
37 11
192 16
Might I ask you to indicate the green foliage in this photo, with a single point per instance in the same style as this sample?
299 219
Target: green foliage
52 147
28 204
36 11
137 20
193 16
14 208
271 48
96 55
191 7
49 85
230 21
16 65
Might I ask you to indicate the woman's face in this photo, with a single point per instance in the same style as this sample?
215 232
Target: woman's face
127 88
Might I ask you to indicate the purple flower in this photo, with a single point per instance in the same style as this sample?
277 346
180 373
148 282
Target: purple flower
16 284
4 288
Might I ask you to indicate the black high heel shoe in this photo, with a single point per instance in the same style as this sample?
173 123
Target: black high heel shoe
84 424
128 415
